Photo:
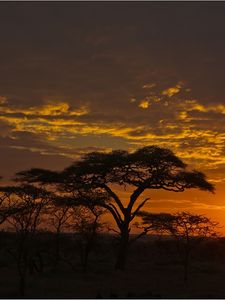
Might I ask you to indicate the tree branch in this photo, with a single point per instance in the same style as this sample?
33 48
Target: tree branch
173 190
136 193
114 214
138 208
146 230
115 197
112 229
116 211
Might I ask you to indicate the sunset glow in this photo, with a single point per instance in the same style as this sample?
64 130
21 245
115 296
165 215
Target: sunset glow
74 80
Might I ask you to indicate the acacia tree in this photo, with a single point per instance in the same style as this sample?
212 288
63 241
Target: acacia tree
6 210
58 218
25 202
81 214
86 224
146 168
187 229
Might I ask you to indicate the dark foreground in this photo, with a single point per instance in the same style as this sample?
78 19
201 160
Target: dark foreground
154 270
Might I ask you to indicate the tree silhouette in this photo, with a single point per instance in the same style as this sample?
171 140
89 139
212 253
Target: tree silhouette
86 225
7 208
187 229
58 218
26 202
146 168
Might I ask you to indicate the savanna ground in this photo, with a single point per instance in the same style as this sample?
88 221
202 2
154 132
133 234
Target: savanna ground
153 270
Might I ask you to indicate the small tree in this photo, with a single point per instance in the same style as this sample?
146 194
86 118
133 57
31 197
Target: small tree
187 229
6 210
86 225
27 203
146 168
81 214
59 219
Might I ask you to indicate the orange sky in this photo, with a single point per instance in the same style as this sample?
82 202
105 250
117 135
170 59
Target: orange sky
80 81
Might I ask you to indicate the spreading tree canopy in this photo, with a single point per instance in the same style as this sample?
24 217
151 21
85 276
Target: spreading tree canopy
97 174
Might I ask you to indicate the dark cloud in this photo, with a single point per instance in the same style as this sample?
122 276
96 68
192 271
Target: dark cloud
25 139
102 52
100 56
5 129
15 160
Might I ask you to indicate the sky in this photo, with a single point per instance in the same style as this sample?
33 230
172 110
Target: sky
77 77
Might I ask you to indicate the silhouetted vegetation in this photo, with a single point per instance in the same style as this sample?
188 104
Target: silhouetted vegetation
52 222
97 173
28 202
187 229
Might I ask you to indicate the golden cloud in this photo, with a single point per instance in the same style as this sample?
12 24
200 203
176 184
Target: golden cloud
172 90
194 105
188 140
144 104
3 100
48 109
149 85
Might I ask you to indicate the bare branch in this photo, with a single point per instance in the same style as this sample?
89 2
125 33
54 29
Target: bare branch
114 214
136 193
115 197
138 208
116 211
143 233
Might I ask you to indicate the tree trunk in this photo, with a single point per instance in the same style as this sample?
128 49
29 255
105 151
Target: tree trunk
123 250
22 270
57 253
22 264
22 285
85 260
186 264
